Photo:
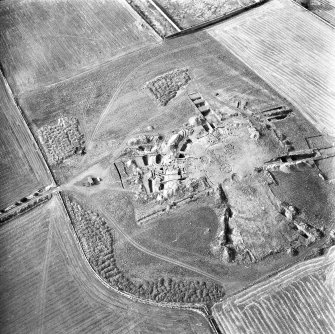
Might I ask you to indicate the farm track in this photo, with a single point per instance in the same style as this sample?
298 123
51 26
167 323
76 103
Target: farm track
287 56
298 300
46 262
76 300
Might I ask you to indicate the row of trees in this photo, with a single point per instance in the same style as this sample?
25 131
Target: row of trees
23 208
96 239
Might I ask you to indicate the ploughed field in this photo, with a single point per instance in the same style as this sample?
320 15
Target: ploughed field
44 42
298 300
47 286
23 170
296 61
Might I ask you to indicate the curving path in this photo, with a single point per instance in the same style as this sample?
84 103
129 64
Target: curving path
47 285
109 106
159 256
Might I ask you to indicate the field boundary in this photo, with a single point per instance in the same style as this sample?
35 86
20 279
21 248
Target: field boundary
301 294
291 273
163 12
10 215
217 20
30 133
135 13
273 274
321 128
313 14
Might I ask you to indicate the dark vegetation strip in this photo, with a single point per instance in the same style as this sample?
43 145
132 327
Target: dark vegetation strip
24 208
217 20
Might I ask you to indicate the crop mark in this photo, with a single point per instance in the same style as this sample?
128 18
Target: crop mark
74 36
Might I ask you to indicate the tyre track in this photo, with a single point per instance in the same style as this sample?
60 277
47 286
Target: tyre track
125 81
159 256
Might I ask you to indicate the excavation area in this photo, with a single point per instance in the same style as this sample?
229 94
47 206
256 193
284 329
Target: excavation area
166 166
226 162
190 169
219 197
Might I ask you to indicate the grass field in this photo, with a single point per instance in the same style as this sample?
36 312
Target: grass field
192 229
45 42
22 168
298 300
48 287
296 61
